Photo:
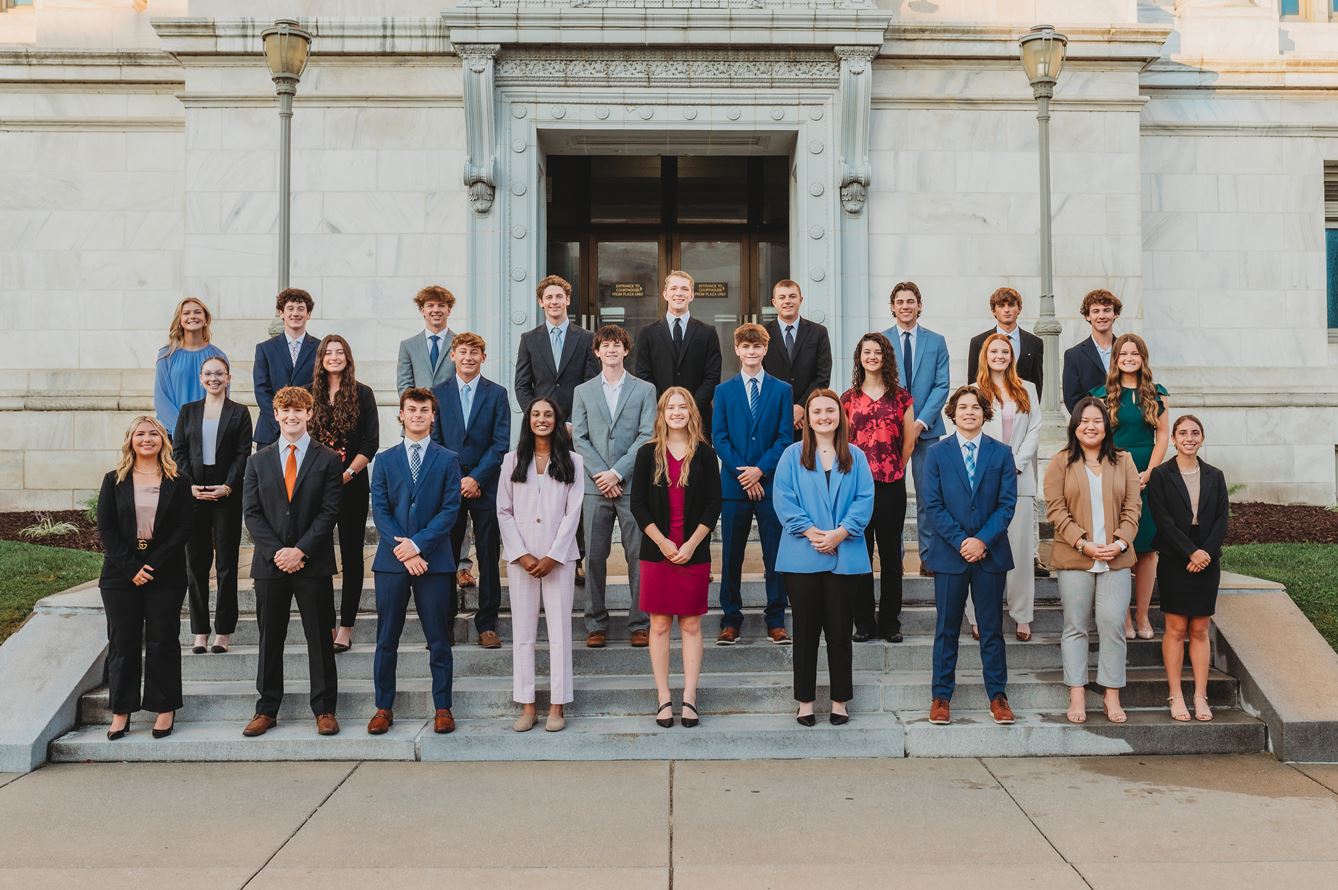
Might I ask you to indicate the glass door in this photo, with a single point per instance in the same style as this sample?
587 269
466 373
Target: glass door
627 284
722 301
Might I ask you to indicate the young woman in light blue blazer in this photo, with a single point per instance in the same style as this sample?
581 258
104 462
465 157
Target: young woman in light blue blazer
824 499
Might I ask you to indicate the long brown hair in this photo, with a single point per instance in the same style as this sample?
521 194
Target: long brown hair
1012 383
660 437
889 371
167 466
1145 393
331 424
809 449
176 334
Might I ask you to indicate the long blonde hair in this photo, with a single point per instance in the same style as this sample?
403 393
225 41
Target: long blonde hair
176 334
1012 383
1145 393
660 438
166 465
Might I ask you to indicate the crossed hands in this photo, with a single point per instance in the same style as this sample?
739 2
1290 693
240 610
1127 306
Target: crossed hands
608 483
972 550
1198 561
679 556
537 568
143 576
210 492
826 541
289 559
750 480
407 553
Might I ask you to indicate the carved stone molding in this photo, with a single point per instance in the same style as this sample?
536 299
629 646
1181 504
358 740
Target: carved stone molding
669 4
856 92
480 174
643 67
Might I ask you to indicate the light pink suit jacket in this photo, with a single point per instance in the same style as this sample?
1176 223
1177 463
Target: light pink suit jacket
539 516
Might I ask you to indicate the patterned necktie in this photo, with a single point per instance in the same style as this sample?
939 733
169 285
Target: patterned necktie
754 400
435 352
789 341
467 402
906 352
971 464
415 460
557 347
678 334
294 347
290 470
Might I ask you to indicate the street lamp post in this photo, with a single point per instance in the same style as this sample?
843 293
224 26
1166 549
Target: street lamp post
287 48
1042 59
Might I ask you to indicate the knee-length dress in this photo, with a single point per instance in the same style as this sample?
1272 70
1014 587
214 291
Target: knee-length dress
666 588
1132 434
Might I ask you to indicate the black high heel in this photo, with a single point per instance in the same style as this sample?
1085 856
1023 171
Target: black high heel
113 735
839 719
806 719
164 733
692 721
666 722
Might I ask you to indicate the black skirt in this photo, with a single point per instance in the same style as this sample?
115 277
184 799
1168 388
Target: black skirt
1191 594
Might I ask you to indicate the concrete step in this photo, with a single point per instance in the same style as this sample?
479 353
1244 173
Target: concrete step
633 694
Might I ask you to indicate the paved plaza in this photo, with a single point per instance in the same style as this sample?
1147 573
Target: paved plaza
1151 822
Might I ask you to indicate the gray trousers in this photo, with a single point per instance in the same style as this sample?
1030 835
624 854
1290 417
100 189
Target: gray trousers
598 514
917 474
1107 596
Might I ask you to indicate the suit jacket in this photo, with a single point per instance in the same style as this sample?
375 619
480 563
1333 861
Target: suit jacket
1068 506
479 448
365 437
425 511
1168 499
539 516
273 370
807 499
117 526
537 376
232 446
307 522
956 511
811 367
1025 441
1030 364
742 442
1084 371
414 367
611 443
696 367
929 377
701 501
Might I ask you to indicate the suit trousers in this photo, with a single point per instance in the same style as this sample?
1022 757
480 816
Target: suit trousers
885 529
354 503
597 517
821 604
144 619
556 590
950 593
917 475
315 603
432 598
487 550
736 517
215 538
1021 585
1107 596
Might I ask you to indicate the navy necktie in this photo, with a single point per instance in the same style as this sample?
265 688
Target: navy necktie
910 358
754 399
435 352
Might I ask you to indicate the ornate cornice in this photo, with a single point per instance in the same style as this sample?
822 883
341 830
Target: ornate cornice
618 67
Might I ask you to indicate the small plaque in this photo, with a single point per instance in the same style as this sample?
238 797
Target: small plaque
712 290
628 290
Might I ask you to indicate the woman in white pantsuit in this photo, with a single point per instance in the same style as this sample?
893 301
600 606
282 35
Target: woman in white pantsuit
538 509
1016 422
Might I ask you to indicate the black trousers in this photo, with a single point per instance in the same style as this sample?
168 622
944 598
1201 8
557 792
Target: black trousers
487 550
315 602
885 530
352 526
214 540
820 605
144 620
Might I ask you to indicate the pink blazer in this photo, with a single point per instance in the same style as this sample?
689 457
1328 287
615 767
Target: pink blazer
539 516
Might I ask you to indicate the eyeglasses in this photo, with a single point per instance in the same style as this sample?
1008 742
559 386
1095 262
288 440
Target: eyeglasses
214 374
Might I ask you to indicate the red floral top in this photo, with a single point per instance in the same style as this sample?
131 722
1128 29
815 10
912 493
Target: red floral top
876 429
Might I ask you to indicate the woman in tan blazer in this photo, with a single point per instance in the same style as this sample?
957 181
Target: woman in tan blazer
1093 500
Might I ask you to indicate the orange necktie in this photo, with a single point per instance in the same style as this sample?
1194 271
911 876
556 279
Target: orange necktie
290 471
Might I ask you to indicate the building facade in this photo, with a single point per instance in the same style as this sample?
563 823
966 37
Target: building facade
847 145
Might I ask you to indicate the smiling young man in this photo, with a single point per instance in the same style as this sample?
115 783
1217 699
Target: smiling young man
681 352
1028 349
1087 363
424 359
557 355
800 351
286 359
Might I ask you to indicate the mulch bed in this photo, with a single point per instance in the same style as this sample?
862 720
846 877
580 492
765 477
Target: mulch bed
1255 523
84 539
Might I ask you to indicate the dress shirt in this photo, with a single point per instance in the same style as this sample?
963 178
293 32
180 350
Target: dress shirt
962 443
566 323
1105 353
1014 337
473 387
760 378
788 328
669 317
302 445
612 391
915 338
294 346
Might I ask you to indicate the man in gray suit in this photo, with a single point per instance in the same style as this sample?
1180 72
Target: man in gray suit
425 359
613 415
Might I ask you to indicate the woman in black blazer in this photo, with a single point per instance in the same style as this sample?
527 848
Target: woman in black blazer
345 419
211 445
675 498
144 519
1188 500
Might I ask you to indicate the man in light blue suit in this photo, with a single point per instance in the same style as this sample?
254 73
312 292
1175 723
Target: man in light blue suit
415 500
926 376
970 492
752 423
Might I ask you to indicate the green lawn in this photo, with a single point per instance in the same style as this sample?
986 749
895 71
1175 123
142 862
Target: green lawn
1310 572
29 572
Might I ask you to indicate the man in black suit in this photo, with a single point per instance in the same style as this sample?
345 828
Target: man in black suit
800 351
556 356
681 352
290 499
1087 364
286 359
1028 349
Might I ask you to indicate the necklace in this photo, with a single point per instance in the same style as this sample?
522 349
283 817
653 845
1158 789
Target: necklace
1193 472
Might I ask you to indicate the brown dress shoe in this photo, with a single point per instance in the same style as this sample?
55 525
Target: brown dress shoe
259 724
640 639
443 722
779 636
489 640
381 721
326 724
926 573
1000 711
939 712
595 639
728 636
464 578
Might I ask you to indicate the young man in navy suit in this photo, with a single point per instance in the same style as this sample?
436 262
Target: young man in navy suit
970 492
1087 363
286 359
474 421
752 423
415 501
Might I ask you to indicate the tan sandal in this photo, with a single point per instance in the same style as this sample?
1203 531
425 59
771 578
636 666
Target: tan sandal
1206 713
1180 712
1077 713
1115 716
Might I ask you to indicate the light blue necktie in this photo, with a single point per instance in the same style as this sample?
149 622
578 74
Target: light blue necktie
754 400
435 352
466 401
971 464
415 460
557 347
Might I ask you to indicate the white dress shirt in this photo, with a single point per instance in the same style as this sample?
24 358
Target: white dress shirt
612 391
1014 337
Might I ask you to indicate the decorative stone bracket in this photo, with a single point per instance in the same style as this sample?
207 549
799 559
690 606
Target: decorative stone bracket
480 172
856 92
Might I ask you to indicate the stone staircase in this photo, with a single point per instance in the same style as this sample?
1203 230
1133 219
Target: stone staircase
745 699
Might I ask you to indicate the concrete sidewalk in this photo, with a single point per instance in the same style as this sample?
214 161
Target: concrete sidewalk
1155 822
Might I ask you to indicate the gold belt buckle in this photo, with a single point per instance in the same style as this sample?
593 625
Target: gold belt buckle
141 544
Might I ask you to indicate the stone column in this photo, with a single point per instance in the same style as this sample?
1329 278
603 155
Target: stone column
854 97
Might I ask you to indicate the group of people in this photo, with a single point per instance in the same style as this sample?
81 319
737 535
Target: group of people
667 451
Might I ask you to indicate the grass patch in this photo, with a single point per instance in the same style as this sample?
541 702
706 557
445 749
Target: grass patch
1310 572
29 572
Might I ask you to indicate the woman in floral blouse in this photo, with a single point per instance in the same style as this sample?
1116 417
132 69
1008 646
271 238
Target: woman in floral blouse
882 425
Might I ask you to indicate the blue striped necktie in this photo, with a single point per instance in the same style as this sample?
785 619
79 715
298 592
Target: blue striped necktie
754 399
971 464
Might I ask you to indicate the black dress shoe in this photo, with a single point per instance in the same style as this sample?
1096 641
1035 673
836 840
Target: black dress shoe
113 735
840 719
199 650
665 722
164 733
861 636
894 637
687 721
806 719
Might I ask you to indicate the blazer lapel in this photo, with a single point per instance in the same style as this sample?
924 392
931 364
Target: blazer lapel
569 345
779 335
1179 482
1095 356
450 404
429 458
960 465
304 468
125 503
165 491
921 347
624 393
226 418
545 346
309 344
688 330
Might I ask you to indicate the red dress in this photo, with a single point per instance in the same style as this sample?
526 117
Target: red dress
668 589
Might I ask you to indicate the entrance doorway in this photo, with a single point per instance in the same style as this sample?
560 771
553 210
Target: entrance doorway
618 224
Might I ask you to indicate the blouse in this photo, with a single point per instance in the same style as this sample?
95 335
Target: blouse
146 508
876 428
1192 486
209 440
1098 520
176 380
